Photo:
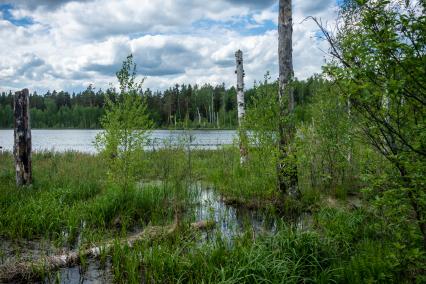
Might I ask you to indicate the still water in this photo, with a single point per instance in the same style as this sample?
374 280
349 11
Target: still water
207 205
81 140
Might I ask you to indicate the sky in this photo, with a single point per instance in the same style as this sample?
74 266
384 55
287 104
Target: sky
70 44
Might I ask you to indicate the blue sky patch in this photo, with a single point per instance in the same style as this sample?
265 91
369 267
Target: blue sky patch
6 14
244 26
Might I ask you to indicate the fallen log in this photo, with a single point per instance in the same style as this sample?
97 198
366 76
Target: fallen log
33 269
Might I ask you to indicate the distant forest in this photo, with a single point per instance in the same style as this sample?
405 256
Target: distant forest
181 106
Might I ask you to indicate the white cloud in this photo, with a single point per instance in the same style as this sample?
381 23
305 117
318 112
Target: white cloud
266 15
77 43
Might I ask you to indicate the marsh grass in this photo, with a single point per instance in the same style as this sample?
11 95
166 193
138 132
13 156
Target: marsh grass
287 257
70 197
72 204
338 250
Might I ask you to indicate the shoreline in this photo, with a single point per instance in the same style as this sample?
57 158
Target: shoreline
170 129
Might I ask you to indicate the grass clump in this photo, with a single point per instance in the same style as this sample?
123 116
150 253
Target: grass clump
289 256
339 248
70 197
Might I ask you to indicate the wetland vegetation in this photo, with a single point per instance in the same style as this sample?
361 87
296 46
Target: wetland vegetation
354 146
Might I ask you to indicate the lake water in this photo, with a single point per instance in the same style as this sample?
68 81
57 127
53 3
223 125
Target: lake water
81 140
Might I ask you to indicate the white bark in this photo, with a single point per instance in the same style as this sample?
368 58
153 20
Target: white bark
240 102
350 138
240 86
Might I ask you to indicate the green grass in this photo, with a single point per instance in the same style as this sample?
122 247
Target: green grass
338 250
70 190
288 257
71 200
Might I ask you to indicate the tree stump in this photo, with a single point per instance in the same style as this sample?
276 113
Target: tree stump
22 138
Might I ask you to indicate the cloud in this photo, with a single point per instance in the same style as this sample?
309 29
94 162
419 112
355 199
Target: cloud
43 4
266 15
254 3
54 4
70 44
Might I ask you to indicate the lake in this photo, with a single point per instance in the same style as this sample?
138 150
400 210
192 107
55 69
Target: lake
81 140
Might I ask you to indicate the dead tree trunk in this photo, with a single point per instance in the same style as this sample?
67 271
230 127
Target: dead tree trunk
22 138
240 104
287 172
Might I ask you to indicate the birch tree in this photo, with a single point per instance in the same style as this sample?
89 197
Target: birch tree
240 104
126 126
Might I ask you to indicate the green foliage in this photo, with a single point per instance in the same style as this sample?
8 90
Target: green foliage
379 66
325 143
125 125
182 106
255 180
341 245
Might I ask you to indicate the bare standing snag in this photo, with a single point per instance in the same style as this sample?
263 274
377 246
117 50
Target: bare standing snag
287 173
240 103
22 138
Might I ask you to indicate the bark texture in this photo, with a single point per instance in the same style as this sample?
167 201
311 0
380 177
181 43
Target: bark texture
287 174
241 103
22 138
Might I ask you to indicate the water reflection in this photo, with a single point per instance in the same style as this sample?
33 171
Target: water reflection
230 221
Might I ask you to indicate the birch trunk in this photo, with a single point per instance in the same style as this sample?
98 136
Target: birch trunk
22 138
240 104
287 174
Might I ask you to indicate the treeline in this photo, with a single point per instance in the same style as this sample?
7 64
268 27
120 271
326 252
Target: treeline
181 106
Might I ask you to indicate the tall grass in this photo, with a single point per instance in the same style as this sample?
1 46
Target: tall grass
72 203
70 196
288 257
339 249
